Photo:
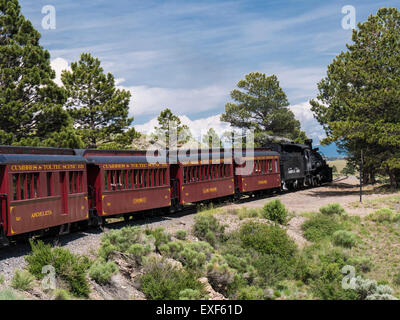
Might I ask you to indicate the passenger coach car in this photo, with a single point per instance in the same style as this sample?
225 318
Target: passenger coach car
41 188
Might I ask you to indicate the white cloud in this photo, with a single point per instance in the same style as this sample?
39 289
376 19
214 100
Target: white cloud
58 65
200 127
151 100
309 124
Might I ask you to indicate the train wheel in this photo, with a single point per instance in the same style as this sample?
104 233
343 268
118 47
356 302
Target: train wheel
127 218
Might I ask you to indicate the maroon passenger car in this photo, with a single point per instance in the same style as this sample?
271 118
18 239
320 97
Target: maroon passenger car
194 179
264 173
41 188
123 182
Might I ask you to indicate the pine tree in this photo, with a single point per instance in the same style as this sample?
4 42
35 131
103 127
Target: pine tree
98 109
31 110
170 129
211 139
262 105
359 102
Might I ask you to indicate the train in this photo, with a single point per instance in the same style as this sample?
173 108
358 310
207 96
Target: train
53 190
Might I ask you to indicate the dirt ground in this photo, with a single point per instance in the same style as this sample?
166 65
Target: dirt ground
345 192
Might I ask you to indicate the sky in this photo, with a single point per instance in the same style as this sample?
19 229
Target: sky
188 55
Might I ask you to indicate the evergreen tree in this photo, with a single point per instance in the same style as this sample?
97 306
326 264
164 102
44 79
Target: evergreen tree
31 110
169 126
262 105
211 139
99 110
359 102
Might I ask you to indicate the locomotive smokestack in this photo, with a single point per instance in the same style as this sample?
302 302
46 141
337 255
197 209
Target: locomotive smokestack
308 142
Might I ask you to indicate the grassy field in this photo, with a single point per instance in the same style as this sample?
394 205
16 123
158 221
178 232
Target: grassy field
340 164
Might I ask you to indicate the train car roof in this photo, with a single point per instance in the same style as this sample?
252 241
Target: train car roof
36 150
257 153
122 159
39 158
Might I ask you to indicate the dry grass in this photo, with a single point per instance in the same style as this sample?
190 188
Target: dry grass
392 202
380 242
339 164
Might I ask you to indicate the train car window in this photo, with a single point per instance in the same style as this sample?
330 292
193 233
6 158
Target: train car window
160 178
15 186
276 165
151 177
135 179
118 180
71 177
156 178
140 178
29 186
76 182
112 179
106 180
123 179
22 186
49 180
129 179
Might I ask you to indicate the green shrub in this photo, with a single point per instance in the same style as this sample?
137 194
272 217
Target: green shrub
2 279
22 280
396 279
275 211
131 240
319 227
102 271
191 254
247 213
362 264
190 294
211 238
61 294
382 215
206 223
162 281
328 284
332 208
250 293
371 290
272 268
160 236
69 267
267 239
219 274
344 238
8 294
181 234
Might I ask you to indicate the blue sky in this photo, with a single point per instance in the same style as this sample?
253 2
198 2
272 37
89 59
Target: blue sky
188 55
